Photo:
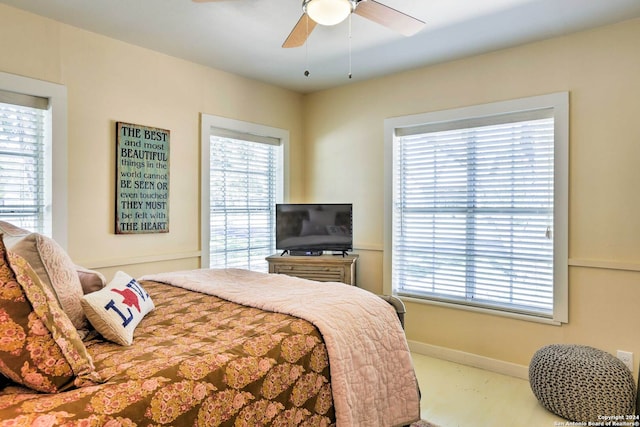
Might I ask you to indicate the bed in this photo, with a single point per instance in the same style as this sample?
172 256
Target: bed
208 348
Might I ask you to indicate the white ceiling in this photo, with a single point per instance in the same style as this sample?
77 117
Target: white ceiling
244 37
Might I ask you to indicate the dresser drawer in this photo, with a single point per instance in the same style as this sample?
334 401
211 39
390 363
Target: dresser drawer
321 273
325 268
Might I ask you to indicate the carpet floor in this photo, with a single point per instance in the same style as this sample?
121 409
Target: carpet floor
423 423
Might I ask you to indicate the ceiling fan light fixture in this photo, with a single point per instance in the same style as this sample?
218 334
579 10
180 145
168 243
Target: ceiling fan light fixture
328 12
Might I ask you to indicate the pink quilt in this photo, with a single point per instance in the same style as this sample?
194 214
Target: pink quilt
372 375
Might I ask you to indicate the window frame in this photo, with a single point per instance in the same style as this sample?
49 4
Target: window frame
210 122
56 161
559 102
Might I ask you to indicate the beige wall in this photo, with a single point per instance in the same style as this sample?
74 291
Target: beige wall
109 81
600 68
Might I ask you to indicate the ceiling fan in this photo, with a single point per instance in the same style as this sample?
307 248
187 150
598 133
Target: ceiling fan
331 12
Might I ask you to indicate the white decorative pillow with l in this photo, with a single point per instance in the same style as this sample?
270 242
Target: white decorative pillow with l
116 310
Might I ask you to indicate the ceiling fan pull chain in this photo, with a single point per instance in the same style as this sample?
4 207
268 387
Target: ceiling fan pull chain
350 45
306 47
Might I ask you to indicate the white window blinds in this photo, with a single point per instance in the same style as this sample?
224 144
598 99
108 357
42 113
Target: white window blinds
244 181
473 212
23 124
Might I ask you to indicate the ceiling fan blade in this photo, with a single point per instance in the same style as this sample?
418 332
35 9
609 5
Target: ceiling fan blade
389 17
300 32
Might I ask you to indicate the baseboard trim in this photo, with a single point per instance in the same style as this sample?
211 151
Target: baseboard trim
470 359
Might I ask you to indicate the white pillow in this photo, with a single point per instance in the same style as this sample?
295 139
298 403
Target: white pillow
116 310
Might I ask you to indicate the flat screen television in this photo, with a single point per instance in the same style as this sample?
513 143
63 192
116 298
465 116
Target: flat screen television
310 229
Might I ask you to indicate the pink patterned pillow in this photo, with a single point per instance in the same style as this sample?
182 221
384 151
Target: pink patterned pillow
56 269
90 280
39 347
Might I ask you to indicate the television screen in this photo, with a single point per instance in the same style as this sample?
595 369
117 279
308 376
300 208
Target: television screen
314 227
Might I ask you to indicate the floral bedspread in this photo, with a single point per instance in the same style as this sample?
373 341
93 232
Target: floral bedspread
373 382
195 360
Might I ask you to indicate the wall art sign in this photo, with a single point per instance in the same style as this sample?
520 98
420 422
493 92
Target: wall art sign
142 179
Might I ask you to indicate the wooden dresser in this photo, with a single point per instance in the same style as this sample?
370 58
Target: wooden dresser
323 268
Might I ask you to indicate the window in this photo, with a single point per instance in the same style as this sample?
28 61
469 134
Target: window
479 205
22 145
33 155
244 168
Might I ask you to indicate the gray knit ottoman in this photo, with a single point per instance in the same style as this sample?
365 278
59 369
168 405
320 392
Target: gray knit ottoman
581 383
